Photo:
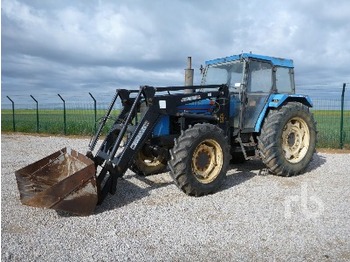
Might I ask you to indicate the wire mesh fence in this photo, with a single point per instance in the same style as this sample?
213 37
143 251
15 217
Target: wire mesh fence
333 124
81 118
72 118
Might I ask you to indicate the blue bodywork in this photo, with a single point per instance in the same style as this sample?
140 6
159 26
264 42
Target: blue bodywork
200 107
206 106
162 127
273 60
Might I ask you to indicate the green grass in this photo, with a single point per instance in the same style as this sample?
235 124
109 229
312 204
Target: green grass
328 126
78 122
81 122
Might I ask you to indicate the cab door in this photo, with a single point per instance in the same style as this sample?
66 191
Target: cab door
259 87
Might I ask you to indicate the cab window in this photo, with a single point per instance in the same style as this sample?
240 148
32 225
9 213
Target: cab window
260 80
284 80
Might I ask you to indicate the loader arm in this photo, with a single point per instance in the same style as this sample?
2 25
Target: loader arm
115 157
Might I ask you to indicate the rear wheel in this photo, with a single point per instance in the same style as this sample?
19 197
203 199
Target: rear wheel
147 164
199 159
288 139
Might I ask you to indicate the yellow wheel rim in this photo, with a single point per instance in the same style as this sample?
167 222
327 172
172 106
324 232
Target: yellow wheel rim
207 161
148 160
295 140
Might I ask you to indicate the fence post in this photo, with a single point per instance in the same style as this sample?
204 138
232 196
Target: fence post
342 118
95 111
13 114
64 115
37 113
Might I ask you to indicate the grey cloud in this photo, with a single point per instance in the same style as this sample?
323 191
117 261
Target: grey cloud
101 45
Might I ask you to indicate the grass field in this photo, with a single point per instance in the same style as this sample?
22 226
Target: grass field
328 126
77 122
82 122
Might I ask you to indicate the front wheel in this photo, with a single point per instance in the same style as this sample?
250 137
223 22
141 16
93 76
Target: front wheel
199 159
288 139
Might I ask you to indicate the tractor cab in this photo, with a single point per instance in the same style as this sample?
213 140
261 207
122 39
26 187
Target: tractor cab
252 79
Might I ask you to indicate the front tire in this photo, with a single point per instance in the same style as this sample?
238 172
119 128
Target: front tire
200 159
288 139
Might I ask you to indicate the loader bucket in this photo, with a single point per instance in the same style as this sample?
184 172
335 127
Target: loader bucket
64 180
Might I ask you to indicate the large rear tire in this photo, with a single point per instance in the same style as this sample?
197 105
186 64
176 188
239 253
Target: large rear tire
200 159
288 139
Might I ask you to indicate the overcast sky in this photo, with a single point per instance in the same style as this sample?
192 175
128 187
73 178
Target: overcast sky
76 47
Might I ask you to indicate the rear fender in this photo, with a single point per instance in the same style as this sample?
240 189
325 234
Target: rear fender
277 100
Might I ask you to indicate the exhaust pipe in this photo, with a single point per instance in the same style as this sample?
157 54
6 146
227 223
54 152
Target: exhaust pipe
189 76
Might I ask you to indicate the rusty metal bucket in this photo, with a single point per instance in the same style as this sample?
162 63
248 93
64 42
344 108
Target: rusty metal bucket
64 180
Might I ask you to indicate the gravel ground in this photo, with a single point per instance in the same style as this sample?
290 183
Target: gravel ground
254 217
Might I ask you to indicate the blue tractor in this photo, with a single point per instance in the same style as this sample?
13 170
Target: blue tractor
245 108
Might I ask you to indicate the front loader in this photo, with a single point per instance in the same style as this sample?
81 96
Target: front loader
245 107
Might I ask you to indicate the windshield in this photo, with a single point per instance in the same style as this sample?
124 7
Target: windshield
224 73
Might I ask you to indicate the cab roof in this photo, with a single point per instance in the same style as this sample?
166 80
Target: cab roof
275 61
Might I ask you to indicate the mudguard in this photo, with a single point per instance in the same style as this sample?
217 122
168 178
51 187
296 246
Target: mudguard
277 100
